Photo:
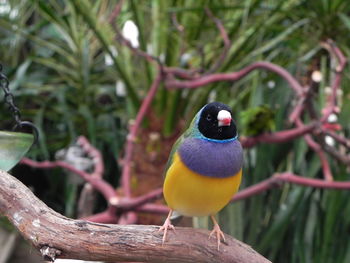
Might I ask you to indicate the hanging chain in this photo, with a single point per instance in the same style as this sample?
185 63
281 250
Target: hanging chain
9 99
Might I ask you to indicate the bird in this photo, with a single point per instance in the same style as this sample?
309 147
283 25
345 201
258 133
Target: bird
204 168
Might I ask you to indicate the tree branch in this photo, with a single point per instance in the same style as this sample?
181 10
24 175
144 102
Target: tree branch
225 38
96 181
233 76
277 137
59 237
133 133
287 177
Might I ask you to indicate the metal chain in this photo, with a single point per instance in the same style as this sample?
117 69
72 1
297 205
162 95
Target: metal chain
9 99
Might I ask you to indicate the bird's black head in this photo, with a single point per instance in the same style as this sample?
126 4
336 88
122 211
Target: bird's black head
215 122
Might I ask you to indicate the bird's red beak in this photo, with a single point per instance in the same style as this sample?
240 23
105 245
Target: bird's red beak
224 118
226 121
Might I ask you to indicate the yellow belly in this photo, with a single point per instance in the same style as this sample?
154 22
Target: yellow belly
192 194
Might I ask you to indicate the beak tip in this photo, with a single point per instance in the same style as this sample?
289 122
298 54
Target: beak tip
225 122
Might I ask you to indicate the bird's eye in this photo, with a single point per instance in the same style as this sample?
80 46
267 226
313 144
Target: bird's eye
208 117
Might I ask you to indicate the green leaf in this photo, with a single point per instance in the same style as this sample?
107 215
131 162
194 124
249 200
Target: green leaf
345 19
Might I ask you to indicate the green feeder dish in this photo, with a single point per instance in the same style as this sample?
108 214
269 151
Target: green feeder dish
13 146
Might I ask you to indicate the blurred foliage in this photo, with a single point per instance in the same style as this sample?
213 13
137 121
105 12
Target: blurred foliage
257 120
69 74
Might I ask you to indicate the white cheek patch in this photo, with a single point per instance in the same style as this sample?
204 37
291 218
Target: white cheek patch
224 118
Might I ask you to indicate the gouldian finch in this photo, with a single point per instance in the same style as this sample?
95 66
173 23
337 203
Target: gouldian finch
204 169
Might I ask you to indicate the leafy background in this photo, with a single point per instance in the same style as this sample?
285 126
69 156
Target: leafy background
69 75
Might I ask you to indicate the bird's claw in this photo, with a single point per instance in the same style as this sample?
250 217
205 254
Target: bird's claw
167 225
219 234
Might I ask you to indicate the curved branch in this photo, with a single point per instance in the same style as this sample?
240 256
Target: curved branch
125 181
225 38
279 136
338 54
131 203
97 182
204 80
327 173
287 177
59 237
94 154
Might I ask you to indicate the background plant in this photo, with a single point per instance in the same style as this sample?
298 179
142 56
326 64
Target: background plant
55 54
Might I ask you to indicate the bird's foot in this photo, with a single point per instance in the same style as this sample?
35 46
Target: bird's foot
219 234
167 225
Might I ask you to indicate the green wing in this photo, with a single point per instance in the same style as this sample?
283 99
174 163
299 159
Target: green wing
174 149
186 134
172 152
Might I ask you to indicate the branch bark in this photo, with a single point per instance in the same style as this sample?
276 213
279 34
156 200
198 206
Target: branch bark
59 237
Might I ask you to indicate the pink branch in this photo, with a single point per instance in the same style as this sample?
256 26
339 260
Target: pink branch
298 109
96 182
105 217
339 138
311 182
254 190
205 80
344 158
133 132
319 151
116 11
225 38
127 218
220 26
94 154
125 41
181 73
336 52
277 137
181 29
153 208
287 177
129 204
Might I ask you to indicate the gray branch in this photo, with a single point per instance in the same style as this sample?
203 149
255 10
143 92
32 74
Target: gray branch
56 236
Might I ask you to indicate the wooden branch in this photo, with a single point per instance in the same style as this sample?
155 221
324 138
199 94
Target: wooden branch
59 237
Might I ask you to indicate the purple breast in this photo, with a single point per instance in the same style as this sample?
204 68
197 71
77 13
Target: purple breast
212 158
